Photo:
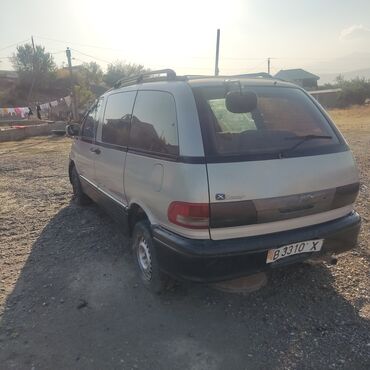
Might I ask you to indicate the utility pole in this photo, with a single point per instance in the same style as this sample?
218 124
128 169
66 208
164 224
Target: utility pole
33 70
268 65
74 102
33 45
217 52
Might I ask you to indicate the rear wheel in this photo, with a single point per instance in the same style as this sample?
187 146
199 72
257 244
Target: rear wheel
78 195
146 259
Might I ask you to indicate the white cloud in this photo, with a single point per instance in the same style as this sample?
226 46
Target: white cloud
356 31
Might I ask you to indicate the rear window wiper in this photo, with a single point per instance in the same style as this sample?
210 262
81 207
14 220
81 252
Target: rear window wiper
301 140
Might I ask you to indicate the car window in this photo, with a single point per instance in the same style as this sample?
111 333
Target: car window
91 120
229 121
283 117
117 117
154 123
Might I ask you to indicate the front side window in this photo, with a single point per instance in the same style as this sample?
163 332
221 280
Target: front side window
284 123
91 121
117 117
154 123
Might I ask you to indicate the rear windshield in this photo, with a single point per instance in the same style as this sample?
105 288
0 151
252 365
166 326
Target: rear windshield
285 123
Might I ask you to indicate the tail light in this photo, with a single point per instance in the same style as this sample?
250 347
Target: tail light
190 215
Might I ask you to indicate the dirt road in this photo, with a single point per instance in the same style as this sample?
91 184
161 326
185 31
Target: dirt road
70 298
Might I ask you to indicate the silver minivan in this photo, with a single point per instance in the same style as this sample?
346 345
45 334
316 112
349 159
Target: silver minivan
216 178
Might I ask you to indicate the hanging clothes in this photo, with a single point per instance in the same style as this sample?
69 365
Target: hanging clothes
45 106
18 112
24 111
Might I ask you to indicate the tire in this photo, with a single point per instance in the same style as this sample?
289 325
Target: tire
78 195
146 259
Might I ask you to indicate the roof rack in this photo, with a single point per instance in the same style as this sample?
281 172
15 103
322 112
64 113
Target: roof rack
151 76
254 75
170 75
246 75
194 77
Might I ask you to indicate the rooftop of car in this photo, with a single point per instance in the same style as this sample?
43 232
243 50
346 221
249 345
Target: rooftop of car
168 75
244 80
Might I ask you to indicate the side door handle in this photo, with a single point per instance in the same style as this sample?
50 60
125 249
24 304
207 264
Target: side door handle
95 150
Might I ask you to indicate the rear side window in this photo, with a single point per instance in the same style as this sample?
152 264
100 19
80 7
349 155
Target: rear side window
154 123
284 123
91 121
117 117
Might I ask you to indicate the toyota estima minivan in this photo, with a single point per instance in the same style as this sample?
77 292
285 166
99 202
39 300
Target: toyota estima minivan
216 178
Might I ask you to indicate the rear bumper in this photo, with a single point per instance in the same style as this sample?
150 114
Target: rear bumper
217 260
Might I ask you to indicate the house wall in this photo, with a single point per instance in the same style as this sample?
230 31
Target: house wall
308 83
326 99
14 134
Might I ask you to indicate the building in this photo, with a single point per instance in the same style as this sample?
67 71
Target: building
327 98
299 77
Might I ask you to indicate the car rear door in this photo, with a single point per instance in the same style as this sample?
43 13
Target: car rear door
112 139
84 146
277 167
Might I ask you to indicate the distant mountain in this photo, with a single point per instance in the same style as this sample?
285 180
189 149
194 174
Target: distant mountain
330 77
350 62
349 66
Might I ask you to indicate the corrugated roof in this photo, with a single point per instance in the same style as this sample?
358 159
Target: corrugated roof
327 91
295 74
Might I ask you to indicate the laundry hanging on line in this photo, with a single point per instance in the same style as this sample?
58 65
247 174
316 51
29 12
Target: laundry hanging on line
22 112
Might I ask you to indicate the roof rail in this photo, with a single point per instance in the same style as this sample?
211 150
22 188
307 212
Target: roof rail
193 77
170 75
254 75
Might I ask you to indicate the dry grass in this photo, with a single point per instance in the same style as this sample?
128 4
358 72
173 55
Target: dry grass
55 255
356 118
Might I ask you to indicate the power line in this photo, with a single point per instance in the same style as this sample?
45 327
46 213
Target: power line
79 44
188 57
57 52
79 60
15 44
90 56
193 57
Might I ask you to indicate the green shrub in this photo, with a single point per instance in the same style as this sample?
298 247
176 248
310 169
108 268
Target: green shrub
354 91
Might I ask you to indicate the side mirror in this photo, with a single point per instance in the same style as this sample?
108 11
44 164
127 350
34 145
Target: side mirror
237 102
73 130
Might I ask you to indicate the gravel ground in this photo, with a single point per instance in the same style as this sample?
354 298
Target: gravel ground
70 298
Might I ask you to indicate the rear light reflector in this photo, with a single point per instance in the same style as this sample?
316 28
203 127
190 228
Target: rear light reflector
190 215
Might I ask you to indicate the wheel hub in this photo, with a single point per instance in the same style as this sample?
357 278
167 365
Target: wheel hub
144 259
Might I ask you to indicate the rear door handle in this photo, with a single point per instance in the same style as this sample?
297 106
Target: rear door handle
95 150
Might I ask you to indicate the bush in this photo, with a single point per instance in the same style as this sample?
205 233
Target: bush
355 91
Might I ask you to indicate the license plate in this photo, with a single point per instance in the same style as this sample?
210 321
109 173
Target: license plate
295 248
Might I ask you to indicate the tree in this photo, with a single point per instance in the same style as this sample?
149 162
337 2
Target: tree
84 97
92 72
354 91
39 65
118 70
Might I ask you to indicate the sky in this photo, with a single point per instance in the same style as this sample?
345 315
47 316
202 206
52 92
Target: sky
312 34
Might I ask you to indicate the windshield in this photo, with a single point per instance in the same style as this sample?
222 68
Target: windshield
284 123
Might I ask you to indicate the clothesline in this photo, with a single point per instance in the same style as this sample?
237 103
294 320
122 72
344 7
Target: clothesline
23 111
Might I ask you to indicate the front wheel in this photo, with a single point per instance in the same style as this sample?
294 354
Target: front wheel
146 259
